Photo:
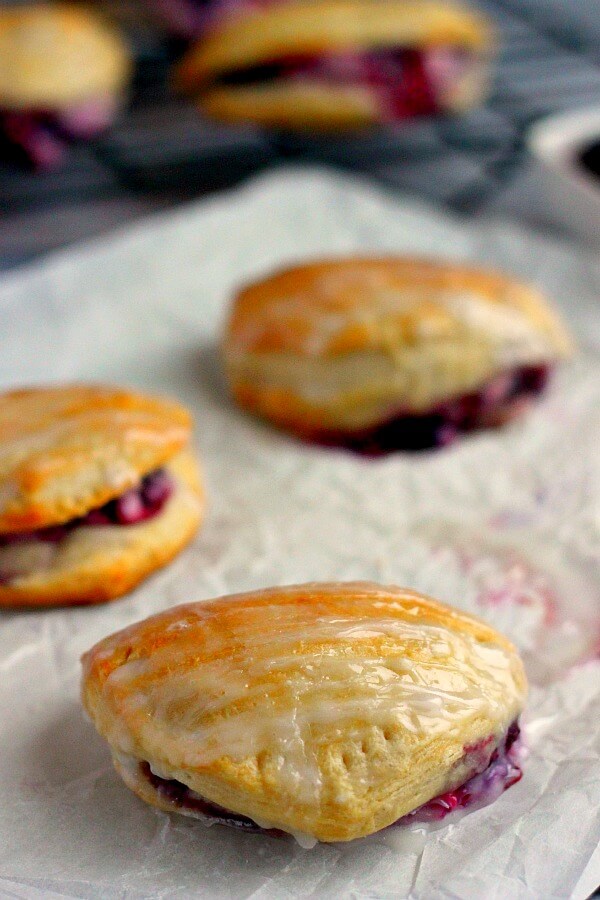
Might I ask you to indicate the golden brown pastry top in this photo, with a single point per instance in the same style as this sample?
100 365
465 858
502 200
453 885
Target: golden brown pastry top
327 27
55 56
65 450
260 701
339 306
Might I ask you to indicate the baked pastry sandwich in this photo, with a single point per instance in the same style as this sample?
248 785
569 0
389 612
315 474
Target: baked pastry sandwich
63 74
326 711
98 489
337 64
380 354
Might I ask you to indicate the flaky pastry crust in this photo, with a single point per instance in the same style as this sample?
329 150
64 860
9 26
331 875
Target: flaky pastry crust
330 710
95 564
56 56
342 343
65 450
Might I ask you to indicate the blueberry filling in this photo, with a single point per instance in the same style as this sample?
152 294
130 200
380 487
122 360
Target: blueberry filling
495 768
181 796
407 82
134 506
498 401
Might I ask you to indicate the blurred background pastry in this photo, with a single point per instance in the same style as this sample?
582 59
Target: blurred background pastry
99 488
163 149
63 74
338 64
391 353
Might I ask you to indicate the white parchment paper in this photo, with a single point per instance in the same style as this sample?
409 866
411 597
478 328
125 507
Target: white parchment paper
505 524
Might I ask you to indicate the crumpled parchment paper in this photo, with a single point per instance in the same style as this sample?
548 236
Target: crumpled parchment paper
505 524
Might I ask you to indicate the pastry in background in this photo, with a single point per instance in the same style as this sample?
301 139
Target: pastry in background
327 711
63 76
338 64
383 354
98 488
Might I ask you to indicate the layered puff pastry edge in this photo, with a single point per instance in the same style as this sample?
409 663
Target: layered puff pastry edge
68 457
342 344
303 28
53 56
326 710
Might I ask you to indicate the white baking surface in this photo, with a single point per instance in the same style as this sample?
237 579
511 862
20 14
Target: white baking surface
506 524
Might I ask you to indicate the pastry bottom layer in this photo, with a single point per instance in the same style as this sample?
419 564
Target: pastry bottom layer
503 398
495 767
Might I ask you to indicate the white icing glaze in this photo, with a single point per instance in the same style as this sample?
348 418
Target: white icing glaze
511 333
298 686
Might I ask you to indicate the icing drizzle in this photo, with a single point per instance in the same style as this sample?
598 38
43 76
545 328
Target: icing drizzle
270 676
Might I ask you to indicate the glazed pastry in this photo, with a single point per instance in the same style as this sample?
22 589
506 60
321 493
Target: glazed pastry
328 711
391 353
98 488
339 63
63 73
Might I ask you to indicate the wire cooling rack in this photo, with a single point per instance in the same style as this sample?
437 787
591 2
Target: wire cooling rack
162 151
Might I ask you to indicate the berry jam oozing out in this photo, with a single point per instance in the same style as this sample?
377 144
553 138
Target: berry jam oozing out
134 506
501 399
502 771
407 82
494 772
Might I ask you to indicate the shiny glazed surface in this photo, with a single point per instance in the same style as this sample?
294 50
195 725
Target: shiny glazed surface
329 710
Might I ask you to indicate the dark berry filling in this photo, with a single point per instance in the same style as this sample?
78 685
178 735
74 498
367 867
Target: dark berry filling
495 768
407 82
500 400
41 136
134 506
